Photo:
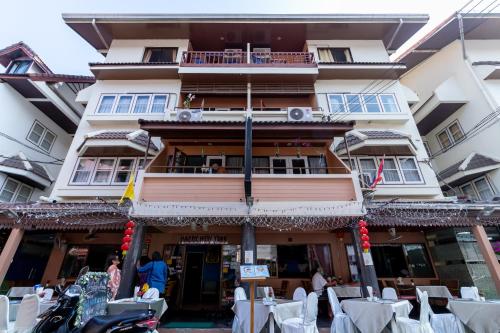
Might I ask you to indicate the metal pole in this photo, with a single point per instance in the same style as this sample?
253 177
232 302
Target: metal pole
348 152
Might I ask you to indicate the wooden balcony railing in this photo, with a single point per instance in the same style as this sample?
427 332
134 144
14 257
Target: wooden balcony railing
224 58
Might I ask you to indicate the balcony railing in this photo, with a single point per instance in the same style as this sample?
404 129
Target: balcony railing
224 58
254 109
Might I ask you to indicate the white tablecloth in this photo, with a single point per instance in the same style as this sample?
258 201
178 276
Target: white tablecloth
481 317
116 307
373 317
436 291
283 310
14 307
352 292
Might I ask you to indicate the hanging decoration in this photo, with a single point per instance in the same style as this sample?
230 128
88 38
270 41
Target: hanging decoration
365 239
127 239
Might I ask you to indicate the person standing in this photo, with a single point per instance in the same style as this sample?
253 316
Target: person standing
114 274
157 272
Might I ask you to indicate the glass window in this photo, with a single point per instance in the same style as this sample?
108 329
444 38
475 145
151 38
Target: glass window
8 190
371 103
36 133
160 54
368 170
298 166
317 164
159 104
278 165
410 169
293 261
234 164
106 105
47 141
469 191
483 189
141 104
456 131
24 194
389 103
268 255
353 103
389 261
124 103
83 170
325 55
444 139
390 171
336 103
353 263
103 171
418 261
260 165
19 67
123 170
334 54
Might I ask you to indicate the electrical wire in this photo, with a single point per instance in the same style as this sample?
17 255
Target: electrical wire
28 160
8 137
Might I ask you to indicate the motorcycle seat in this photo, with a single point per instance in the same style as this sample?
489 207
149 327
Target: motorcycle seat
100 324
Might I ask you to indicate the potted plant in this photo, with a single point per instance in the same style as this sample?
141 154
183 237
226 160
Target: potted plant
188 99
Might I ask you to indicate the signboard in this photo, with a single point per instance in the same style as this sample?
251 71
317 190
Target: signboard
203 239
367 258
254 271
249 257
94 298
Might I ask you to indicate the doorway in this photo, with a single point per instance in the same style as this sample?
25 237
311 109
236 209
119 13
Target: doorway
193 278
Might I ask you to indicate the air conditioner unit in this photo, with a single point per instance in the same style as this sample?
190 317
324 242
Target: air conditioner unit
189 115
300 113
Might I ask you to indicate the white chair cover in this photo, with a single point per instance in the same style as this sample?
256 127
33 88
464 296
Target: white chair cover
151 293
4 314
48 293
299 294
341 321
407 325
239 295
443 322
26 314
370 291
470 293
306 325
389 293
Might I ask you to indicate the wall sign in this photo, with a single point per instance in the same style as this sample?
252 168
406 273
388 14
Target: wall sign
203 239
94 298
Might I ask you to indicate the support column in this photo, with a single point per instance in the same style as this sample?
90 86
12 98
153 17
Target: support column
8 252
129 270
488 254
368 276
248 243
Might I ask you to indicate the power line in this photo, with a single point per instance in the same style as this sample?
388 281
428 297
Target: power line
28 160
8 137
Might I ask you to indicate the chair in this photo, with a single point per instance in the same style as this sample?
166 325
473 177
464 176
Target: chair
48 293
423 325
442 322
26 314
341 321
300 295
370 291
4 314
152 293
306 324
239 295
389 293
471 293
19 292
283 290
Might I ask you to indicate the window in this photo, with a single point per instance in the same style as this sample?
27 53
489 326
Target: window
405 260
371 103
336 102
335 54
410 170
141 104
40 136
106 104
159 103
293 261
468 190
418 260
289 165
260 165
234 164
160 54
389 103
79 256
103 171
390 172
353 163
450 135
19 66
124 103
123 171
15 191
354 103
483 189
427 148
353 266
83 171
317 164
268 255
368 170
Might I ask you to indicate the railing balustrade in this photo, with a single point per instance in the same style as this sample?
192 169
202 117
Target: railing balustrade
235 58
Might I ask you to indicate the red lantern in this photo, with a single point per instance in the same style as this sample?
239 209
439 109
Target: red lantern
129 232
125 247
130 224
362 224
365 238
366 246
363 231
126 239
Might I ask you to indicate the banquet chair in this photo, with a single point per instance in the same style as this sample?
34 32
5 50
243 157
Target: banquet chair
152 293
306 324
4 314
341 321
471 293
407 325
370 291
389 293
48 293
26 315
442 322
239 295
300 295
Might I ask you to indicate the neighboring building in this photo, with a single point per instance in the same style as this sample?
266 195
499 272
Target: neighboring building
39 117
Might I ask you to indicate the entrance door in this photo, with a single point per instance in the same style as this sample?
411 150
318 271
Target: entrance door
193 277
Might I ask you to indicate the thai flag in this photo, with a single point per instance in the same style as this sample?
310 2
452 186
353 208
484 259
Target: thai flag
379 175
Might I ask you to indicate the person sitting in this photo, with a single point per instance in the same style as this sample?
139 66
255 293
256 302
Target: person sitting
217 169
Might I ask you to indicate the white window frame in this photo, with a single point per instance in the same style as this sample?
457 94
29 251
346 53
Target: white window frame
342 95
379 97
71 182
361 171
19 190
113 106
215 157
92 182
148 106
473 189
363 108
472 183
450 136
167 99
132 103
353 161
115 169
19 185
44 133
398 169
361 104
288 162
421 181
379 104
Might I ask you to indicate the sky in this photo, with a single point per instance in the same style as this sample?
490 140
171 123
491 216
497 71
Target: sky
40 25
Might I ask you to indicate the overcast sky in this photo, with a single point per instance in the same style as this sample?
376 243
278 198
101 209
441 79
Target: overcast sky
39 24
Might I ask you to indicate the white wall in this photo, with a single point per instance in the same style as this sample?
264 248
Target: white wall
132 50
361 50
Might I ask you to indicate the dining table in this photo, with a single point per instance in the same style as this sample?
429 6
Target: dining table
347 291
14 308
124 304
478 316
436 291
375 316
276 312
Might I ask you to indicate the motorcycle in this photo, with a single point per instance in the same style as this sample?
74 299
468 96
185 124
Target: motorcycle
61 317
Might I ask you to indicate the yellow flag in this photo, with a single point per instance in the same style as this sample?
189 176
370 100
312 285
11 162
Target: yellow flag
129 191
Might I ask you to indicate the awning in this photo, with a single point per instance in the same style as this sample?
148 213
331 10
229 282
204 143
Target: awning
475 165
116 143
377 142
447 98
30 173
